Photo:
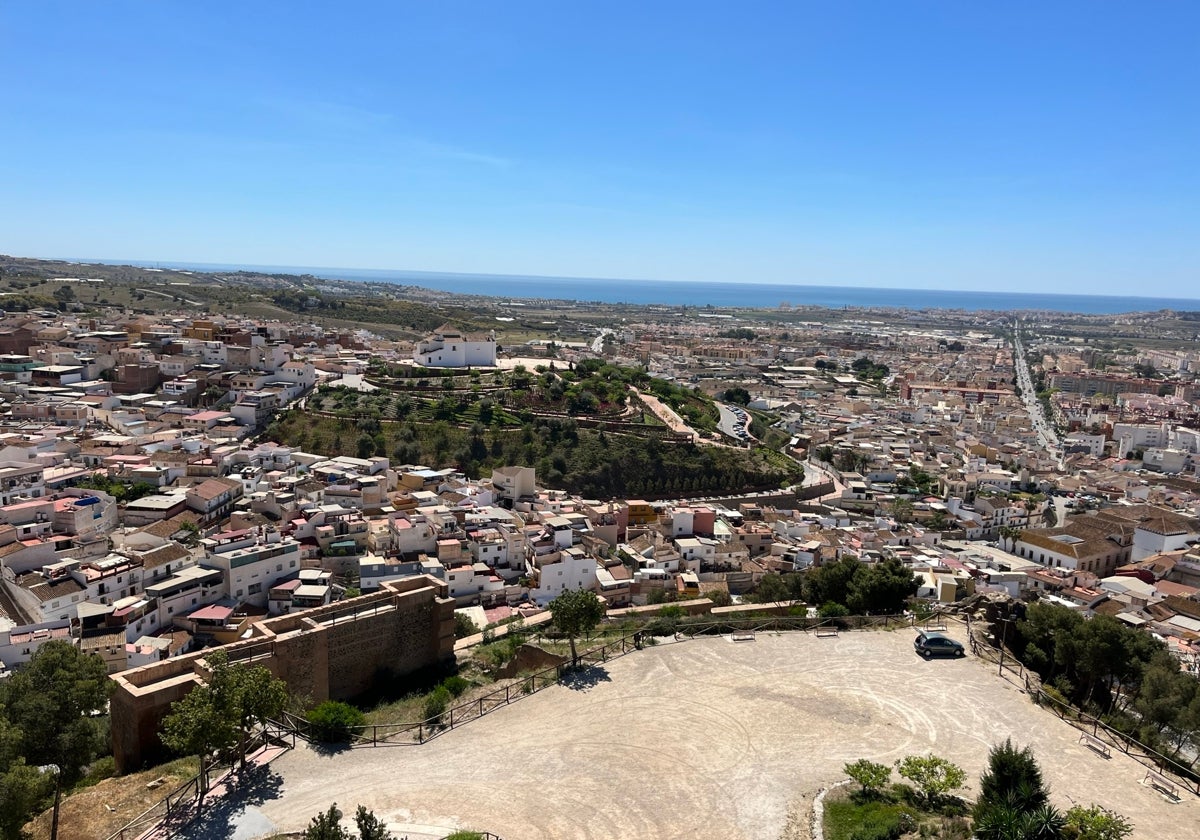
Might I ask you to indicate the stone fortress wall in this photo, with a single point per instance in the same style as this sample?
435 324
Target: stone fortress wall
332 652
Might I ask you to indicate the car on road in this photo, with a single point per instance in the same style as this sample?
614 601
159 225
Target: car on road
930 644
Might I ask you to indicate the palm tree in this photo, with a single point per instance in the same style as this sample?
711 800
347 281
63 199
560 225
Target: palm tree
1009 536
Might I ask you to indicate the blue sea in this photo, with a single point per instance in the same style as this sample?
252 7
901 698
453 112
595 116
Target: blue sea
743 295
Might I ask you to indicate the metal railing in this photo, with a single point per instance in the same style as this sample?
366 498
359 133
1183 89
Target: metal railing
418 732
1148 757
1181 774
285 731
174 810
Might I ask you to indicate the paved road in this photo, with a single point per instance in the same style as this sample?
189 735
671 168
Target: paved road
707 738
732 421
598 341
666 414
1046 435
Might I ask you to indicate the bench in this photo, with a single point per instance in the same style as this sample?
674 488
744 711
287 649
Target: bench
935 625
1095 744
827 631
1161 783
742 635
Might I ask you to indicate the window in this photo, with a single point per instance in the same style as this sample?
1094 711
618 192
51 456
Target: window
239 594
279 567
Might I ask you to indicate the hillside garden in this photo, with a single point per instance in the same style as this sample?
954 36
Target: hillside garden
583 429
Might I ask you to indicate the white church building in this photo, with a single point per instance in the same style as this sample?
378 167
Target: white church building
451 347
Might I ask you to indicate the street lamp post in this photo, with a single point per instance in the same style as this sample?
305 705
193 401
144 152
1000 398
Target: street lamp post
57 771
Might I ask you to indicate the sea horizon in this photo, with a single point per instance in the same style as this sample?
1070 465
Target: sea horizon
700 293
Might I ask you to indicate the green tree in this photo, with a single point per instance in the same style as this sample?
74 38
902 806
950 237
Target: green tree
48 703
771 589
576 612
327 826
197 725
222 712
464 626
933 775
370 827
831 581
260 697
738 396
881 589
1013 800
1009 536
1012 777
365 446
22 787
873 777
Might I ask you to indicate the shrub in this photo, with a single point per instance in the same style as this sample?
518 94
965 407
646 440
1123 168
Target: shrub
934 776
663 627
456 685
879 825
436 703
1096 823
832 609
98 771
874 820
333 722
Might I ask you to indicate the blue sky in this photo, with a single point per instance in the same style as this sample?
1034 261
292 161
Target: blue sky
1046 146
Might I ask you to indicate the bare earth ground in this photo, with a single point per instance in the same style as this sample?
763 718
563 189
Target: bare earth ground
706 738
98 811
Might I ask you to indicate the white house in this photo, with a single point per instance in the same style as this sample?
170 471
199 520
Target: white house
18 644
559 571
450 347
251 562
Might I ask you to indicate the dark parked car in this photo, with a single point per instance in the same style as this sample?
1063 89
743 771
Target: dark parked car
930 645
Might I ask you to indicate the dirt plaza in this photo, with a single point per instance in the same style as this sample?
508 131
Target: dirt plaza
705 738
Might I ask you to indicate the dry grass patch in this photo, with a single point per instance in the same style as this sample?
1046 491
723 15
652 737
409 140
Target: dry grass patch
97 811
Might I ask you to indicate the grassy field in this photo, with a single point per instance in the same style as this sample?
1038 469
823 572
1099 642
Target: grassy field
892 813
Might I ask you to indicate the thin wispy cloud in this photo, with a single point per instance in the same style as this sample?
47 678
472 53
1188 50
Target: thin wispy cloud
449 152
352 119
330 115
